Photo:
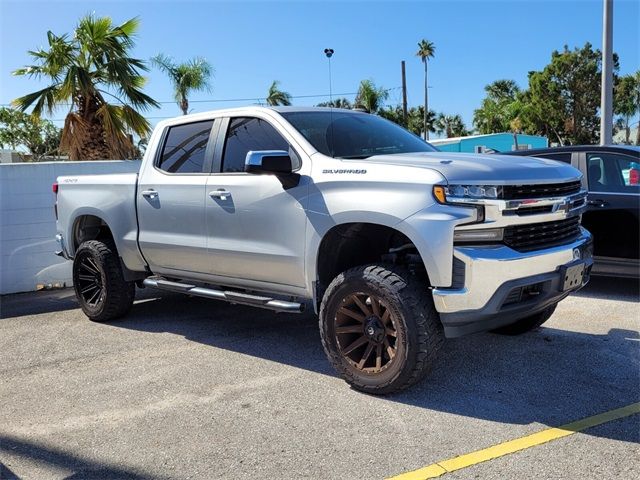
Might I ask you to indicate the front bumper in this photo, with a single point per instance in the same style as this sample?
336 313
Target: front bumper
496 286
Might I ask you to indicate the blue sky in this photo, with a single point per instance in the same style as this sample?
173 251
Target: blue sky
250 44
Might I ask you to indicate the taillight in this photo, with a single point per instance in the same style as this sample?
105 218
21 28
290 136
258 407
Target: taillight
634 176
54 188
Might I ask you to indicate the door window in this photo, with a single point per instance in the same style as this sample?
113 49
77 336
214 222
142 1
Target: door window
184 148
560 157
612 172
249 134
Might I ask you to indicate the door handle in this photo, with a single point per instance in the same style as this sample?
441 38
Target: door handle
150 194
598 203
221 193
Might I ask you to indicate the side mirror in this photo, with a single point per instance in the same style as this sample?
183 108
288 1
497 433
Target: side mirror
268 161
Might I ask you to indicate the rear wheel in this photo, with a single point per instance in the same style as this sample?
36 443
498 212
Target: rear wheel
100 287
528 323
379 328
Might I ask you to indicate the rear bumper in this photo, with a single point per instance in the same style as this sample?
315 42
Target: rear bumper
63 249
495 285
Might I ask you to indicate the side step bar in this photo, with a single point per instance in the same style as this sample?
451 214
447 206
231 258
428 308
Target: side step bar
226 295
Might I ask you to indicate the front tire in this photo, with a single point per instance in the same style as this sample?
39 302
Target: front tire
379 328
528 323
100 287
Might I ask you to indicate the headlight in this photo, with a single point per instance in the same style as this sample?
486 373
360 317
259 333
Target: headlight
460 193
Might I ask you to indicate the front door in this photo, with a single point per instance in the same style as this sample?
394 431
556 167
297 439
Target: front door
255 223
612 216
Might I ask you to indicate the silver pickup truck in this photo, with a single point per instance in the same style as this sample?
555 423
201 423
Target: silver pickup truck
395 244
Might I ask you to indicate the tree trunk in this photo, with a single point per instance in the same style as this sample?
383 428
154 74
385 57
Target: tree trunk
638 135
515 140
426 101
95 146
184 105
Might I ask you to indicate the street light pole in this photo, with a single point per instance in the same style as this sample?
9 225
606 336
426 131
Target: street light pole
606 94
329 53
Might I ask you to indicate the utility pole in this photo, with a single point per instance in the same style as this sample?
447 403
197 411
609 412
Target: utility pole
404 95
606 94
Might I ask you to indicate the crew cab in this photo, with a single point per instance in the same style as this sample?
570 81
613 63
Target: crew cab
395 244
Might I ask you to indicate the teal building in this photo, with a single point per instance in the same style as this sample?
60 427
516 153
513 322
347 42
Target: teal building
498 142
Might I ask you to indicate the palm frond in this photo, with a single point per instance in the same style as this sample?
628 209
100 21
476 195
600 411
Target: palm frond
44 99
426 50
135 122
115 130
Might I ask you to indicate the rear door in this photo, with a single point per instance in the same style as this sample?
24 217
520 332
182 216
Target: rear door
171 199
614 196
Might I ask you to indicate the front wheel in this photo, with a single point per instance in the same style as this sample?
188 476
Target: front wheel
100 287
379 328
528 323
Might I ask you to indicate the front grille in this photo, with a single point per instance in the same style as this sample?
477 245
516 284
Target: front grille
523 211
536 236
519 192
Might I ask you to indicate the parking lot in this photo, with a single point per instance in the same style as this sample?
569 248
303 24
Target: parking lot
190 388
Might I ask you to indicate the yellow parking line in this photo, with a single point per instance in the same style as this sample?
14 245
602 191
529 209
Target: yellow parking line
463 461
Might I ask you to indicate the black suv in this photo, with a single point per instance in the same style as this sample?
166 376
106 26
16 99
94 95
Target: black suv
612 176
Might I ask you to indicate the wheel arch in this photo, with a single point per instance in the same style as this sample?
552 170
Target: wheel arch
351 244
92 226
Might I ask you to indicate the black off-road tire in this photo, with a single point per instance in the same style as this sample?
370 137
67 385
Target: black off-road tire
100 287
528 323
415 320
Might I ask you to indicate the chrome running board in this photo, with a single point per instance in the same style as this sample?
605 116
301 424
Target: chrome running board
226 295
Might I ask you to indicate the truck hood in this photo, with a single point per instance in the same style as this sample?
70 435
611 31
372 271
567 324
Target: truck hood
468 168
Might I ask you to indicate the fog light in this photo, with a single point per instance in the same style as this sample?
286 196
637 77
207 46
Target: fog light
484 235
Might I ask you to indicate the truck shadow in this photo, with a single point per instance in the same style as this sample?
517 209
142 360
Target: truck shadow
550 376
83 468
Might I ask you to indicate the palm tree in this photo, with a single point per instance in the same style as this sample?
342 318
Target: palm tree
626 100
416 119
499 108
451 125
277 97
336 103
426 50
370 97
190 76
86 70
502 90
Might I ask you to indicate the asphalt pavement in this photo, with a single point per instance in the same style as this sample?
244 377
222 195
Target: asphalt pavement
193 388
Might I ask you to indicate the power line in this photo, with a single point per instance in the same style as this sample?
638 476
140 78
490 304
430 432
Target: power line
215 100
220 100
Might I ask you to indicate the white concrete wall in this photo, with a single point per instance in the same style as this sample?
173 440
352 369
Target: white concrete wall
28 224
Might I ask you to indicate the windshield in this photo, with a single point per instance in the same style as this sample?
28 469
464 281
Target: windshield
343 134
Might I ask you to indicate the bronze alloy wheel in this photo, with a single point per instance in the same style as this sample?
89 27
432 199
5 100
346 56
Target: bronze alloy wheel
379 327
366 332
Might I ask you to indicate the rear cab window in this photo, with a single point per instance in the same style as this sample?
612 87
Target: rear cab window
184 148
